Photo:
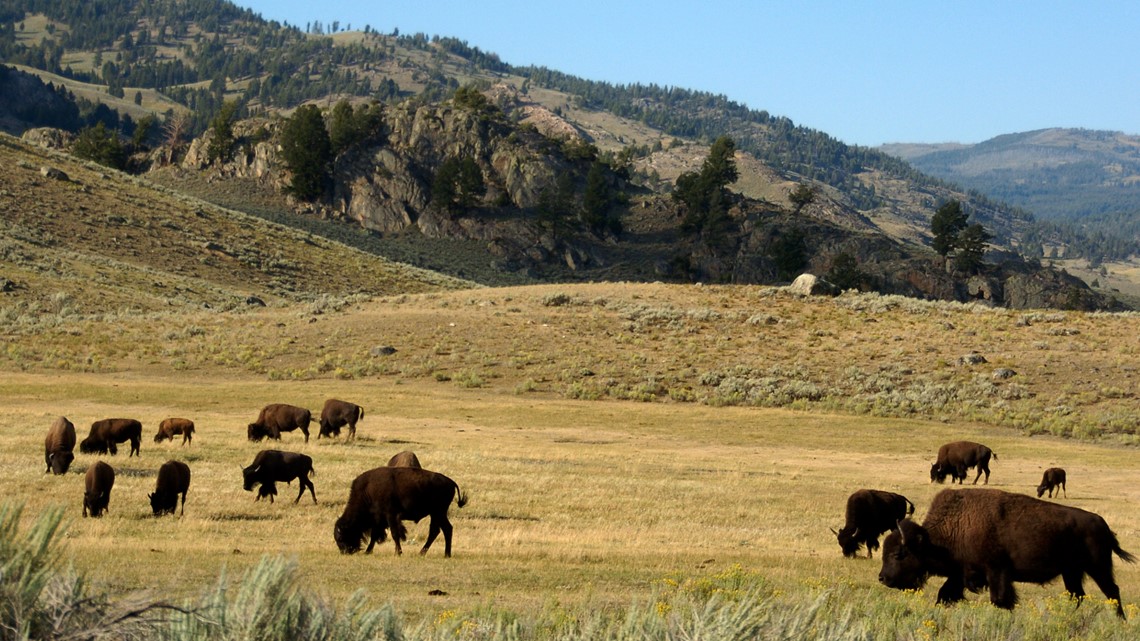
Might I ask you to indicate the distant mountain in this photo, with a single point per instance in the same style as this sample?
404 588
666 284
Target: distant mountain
1057 174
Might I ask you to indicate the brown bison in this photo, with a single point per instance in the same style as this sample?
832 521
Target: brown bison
279 417
869 514
171 427
109 431
980 538
383 497
1053 478
173 479
97 485
59 446
957 457
407 458
271 466
336 414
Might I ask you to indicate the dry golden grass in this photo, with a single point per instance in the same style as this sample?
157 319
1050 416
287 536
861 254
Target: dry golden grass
575 502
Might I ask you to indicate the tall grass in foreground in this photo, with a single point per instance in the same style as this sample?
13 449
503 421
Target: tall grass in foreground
41 600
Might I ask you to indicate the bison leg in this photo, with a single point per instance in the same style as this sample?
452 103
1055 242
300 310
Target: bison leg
952 591
443 525
1002 592
135 448
305 482
872 545
305 431
983 468
1103 578
398 532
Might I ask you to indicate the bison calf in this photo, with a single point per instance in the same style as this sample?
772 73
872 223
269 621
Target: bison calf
173 479
957 457
279 417
337 414
870 513
171 427
97 486
59 446
1053 478
407 458
383 497
109 431
980 538
271 466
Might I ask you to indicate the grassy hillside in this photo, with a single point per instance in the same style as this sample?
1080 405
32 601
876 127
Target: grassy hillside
100 241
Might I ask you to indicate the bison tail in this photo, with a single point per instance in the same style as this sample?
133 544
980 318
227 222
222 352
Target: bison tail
360 416
994 454
461 496
910 509
1124 556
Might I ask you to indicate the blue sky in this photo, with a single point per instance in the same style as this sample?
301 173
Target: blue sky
866 73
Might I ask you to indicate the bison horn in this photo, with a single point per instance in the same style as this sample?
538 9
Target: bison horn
902 537
855 533
833 531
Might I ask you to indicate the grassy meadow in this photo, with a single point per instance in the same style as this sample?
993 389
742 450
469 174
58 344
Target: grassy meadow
633 453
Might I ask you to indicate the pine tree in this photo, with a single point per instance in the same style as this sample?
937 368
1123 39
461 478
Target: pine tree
307 152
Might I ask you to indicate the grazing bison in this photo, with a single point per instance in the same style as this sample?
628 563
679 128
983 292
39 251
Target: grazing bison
109 431
336 414
271 466
279 417
980 538
869 514
407 458
383 497
173 479
1053 478
97 485
59 446
171 427
957 457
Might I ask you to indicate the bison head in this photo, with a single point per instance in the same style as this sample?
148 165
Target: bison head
93 445
847 541
256 432
164 503
904 552
61 461
348 537
95 503
938 473
249 477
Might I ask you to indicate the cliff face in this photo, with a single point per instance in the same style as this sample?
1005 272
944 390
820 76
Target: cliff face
384 183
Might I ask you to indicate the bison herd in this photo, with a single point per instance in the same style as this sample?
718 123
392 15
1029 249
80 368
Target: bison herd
984 538
977 539
379 502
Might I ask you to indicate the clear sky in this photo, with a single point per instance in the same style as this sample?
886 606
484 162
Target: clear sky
865 72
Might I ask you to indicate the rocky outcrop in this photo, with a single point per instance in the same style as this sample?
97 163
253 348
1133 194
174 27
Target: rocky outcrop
48 138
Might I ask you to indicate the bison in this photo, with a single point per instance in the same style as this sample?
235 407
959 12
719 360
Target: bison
59 446
109 431
869 514
383 497
407 458
980 538
173 479
271 466
97 486
171 427
279 417
957 457
336 414
1053 478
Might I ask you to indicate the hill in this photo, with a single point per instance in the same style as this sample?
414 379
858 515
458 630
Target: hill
1058 174
82 239
1085 183
213 58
